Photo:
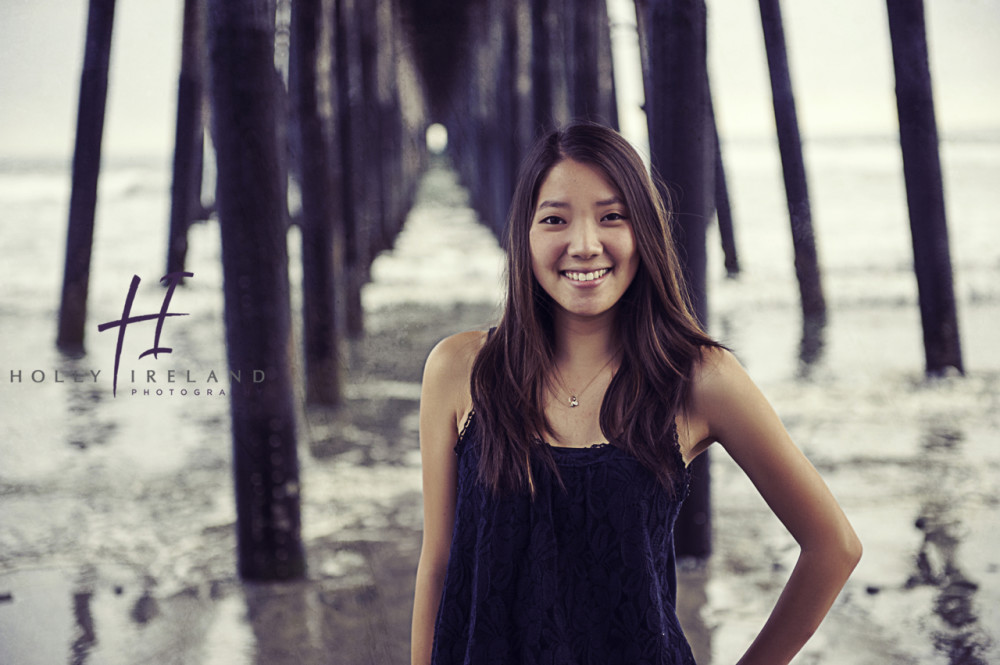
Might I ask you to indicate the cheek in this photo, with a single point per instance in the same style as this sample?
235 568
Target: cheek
626 250
633 260
539 251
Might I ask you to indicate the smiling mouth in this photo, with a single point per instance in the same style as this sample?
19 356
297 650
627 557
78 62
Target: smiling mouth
590 276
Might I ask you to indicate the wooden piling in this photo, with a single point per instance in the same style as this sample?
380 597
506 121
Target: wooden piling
723 211
318 228
255 272
350 129
589 58
503 115
369 146
682 151
792 163
390 117
550 77
924 188
410 115
524 92
482 121
541 73
185 191
86 171
724 215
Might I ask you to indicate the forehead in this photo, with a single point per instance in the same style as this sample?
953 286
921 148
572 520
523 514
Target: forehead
577 182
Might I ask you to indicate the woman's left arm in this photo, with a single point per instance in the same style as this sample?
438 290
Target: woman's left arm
730 408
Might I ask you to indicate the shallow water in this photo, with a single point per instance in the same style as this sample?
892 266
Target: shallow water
116 541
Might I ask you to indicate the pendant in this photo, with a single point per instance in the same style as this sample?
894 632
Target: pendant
573 401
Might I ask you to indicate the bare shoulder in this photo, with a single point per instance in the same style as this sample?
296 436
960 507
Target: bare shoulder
447 372
730 407
718 381
455 353
718 370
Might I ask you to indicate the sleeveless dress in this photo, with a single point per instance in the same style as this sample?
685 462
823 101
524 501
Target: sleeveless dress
581 576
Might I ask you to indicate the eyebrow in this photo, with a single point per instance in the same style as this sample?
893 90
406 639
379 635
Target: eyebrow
562 204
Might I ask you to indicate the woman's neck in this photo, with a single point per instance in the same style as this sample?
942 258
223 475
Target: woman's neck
582 342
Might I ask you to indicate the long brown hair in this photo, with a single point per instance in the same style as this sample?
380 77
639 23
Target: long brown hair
661 339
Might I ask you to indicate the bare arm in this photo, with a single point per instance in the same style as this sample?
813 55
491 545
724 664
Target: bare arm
727 407
445 401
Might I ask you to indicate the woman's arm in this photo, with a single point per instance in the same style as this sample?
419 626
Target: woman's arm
445 402
727 407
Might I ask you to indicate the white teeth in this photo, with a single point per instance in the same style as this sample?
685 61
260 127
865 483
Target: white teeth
587 276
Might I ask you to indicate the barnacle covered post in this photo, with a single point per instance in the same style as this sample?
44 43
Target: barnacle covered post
253 224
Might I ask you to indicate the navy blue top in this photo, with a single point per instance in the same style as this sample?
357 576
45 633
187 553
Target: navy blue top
572 577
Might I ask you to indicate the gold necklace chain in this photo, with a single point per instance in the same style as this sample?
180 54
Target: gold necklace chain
574 400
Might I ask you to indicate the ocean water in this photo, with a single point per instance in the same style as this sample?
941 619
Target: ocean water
122 504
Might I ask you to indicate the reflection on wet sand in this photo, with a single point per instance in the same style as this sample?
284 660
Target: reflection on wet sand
85 638
692 602
87 424
811 344
937 562
329 622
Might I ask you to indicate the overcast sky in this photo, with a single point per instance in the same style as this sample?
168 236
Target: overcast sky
839 53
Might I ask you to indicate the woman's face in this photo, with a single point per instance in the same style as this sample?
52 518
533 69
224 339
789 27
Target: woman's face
581 240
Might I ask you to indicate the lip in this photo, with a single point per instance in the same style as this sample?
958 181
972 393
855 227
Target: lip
589 284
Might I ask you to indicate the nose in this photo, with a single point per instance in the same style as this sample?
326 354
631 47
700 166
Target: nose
585 239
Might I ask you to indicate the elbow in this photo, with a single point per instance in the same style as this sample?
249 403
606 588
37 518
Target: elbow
853 550
848 547
848 553
839 556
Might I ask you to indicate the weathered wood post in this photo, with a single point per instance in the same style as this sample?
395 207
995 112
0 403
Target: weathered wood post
682 151
590 71
502 118
351 130
524 90
605 66
550 79
924 189
319 246
541 72
487 92
86 170
410 107
517 20
723 211
792 164
185 192
370 156
255 272
477 115
395 190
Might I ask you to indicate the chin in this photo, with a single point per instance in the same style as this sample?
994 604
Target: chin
591 310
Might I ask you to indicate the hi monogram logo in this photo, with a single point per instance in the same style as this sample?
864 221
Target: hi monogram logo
171 280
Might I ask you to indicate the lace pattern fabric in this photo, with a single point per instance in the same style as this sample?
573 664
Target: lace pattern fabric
578 576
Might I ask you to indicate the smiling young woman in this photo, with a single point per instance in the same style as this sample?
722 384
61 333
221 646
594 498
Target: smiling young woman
555 447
